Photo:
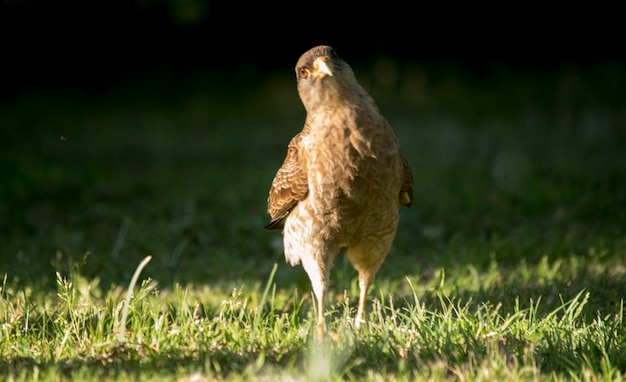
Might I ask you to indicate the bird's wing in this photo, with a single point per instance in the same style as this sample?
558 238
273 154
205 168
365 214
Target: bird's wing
407 189
290 185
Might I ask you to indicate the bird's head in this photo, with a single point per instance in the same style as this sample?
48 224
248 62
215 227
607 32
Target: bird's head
317 63
322 75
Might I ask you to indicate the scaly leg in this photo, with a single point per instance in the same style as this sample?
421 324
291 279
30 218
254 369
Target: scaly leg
319 328
364 284
367 261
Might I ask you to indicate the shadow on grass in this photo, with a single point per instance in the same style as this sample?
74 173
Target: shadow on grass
133 361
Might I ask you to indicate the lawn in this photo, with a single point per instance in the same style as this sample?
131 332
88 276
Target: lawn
511 264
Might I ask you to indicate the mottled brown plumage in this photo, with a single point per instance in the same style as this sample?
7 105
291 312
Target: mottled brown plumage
342 181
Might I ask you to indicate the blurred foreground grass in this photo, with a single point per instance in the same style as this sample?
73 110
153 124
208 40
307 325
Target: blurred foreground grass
520 196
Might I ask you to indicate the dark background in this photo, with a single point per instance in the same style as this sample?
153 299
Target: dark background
91 44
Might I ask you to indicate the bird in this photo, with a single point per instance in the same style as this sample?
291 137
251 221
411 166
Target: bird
342 181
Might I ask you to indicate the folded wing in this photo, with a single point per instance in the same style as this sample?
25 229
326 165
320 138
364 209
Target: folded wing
290 186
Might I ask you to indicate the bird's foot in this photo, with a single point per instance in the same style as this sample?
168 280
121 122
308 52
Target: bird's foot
358 321
319 332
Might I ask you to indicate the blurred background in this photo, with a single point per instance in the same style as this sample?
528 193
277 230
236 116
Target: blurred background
156 126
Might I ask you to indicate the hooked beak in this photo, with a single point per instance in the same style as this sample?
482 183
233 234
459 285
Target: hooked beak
320 68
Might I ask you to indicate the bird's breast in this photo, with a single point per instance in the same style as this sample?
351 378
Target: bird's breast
349 179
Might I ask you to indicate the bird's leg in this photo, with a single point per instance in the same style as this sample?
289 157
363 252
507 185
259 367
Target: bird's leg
317 272
367 263
364 284
319 328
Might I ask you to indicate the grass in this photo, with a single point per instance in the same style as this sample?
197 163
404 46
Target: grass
510 265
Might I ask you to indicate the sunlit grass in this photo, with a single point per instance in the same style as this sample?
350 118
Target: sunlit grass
188 331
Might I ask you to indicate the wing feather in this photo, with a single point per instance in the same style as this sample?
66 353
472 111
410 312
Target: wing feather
290 185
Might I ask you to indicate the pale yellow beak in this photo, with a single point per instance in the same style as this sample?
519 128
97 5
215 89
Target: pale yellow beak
321 69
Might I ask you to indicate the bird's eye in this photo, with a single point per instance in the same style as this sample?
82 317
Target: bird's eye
303 72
